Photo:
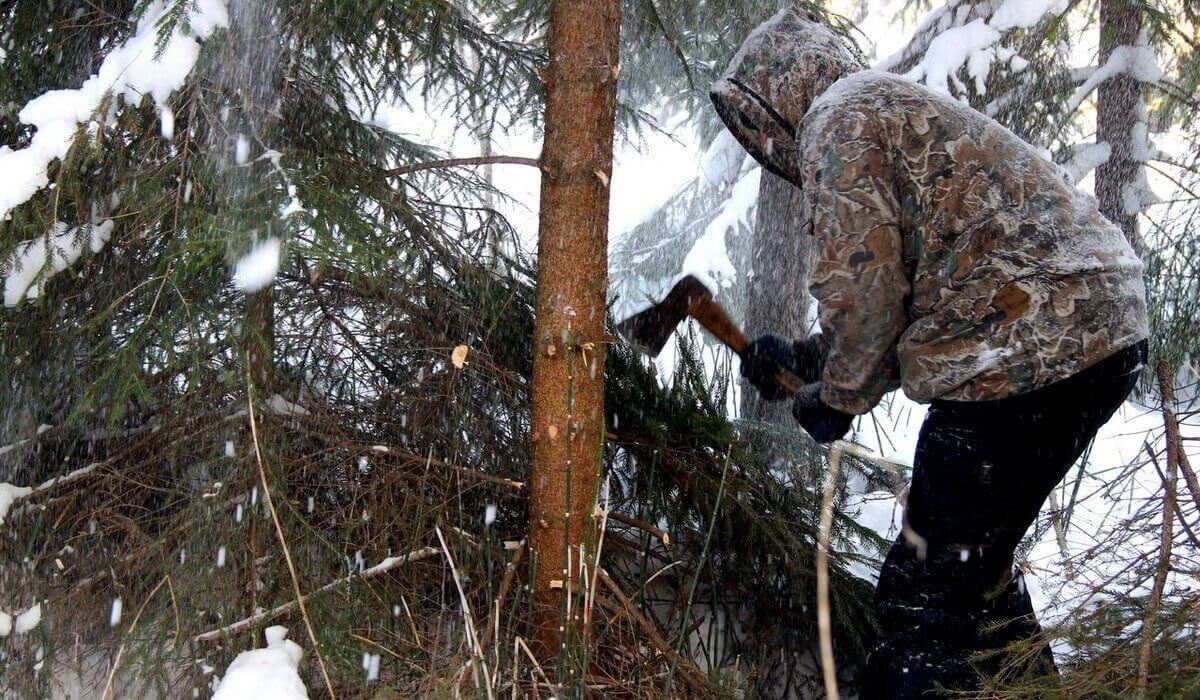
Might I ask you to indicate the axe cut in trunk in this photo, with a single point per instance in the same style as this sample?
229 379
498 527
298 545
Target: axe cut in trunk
650 329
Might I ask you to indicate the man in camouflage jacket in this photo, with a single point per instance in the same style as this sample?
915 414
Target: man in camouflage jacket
958 263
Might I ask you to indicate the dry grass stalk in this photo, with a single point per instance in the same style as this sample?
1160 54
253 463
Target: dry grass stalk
109 692
691 675
492 633
518 642
468 618
287 553
590 592
824 622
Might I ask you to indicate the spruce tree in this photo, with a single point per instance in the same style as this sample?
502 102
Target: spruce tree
268 250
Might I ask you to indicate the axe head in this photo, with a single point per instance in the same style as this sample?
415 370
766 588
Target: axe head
649 330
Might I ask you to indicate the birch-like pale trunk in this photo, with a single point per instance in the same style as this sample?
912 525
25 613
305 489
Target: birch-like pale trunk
782 259
1118 101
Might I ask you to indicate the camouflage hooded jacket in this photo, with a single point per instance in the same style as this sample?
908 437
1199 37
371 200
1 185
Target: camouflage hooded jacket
955 259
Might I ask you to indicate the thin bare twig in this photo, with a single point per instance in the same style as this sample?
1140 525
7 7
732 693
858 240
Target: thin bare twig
455 162
380 568
641 525
493 630
691 675
1187 529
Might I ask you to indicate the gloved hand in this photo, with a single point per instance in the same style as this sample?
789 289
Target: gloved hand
820 420
765 355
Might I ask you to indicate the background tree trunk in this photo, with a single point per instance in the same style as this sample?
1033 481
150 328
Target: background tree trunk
782 256
568 369
1118 102
258 337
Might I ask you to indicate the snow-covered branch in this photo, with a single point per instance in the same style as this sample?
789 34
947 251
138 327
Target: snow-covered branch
1139 62
138 67
968 33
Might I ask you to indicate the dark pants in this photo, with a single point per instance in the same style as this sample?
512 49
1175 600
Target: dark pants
981 473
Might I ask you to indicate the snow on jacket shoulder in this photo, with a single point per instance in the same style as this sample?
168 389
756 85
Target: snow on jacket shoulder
955 259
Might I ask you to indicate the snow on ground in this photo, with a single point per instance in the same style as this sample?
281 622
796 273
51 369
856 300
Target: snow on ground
270 672
1061 581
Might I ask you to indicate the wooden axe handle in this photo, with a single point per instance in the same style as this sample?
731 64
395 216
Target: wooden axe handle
713 318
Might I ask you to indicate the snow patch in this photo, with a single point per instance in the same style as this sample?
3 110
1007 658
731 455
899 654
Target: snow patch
1085 158
21 623
166 118
722 162
36 261
9 493
708 259
950 50
28 620
1014 14
270 672
114 615
282 407
974 44
1139 62
241 151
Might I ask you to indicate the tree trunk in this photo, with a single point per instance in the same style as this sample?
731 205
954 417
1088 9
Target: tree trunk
782 257
569 336
258 339
1118 102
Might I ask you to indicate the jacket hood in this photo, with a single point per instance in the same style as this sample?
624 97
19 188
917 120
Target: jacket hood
771 82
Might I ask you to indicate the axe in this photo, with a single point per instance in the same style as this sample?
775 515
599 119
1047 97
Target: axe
649 330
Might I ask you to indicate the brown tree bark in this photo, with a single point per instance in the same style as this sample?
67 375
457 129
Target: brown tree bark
258 338
782 257
1117 104
569 335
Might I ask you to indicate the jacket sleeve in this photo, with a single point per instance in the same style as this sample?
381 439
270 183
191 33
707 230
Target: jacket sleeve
861 281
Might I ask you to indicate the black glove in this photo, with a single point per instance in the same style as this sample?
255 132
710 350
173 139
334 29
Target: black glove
820 420
765 355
